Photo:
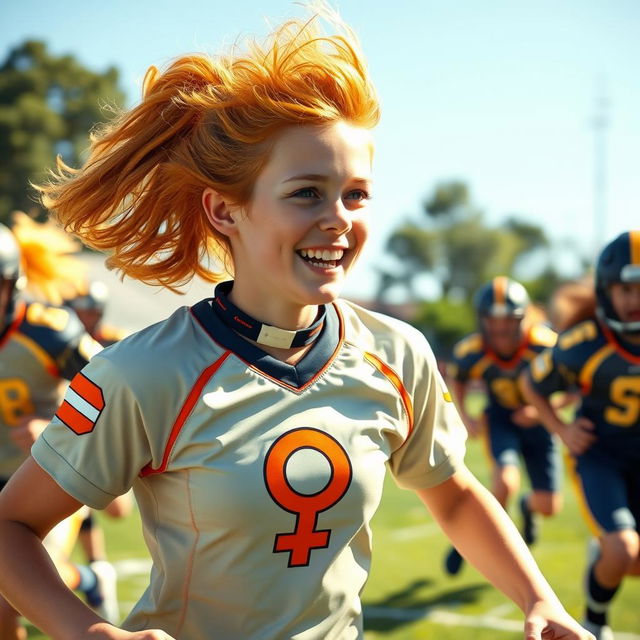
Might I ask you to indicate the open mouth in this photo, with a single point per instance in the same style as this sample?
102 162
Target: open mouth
322 258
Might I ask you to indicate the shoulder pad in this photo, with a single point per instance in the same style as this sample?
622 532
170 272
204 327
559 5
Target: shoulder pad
586 331
472 344
52 328
543 336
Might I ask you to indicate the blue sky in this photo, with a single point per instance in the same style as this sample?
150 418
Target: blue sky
498 93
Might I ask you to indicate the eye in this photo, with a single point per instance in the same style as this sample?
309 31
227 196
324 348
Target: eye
306 192
358 194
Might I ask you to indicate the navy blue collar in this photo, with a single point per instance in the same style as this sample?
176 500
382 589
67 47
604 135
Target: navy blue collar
310 366
259 332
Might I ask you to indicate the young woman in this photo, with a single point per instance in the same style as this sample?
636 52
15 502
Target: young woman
507 340
41 347
601 357
255 426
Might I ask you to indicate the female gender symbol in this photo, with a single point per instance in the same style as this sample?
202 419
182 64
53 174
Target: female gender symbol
305 537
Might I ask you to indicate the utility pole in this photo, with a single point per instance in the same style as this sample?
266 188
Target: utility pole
600 124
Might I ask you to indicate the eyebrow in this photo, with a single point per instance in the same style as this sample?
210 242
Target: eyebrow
318 177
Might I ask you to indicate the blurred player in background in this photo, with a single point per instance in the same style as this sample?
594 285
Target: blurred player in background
41 345
255 426
507 340
90 307
600 356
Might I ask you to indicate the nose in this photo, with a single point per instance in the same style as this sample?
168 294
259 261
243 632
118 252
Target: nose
336 217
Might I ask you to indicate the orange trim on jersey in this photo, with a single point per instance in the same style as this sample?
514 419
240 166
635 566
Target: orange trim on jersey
395 380
72 416
21 310
39 353
634 246
76 421
185 412
583 506
499 290
88 390
515 359
318 374
585 377
613 341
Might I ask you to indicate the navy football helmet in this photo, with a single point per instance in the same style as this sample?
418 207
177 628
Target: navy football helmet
94 300
619 261
501 297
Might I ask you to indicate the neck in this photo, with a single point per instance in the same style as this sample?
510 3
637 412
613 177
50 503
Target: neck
273 312
287 342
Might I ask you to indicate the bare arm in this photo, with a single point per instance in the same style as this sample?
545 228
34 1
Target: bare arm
459 392
30 505
483 533
577 435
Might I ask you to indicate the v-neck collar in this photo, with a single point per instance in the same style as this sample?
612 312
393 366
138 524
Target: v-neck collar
297 376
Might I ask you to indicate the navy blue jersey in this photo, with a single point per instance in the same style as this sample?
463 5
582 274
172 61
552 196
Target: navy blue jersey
475 360
43 346
607 372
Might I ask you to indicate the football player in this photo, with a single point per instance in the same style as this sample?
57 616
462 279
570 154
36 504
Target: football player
255 426
496 355
600 356
40 346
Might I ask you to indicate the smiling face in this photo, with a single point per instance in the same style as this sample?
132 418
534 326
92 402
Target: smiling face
305 225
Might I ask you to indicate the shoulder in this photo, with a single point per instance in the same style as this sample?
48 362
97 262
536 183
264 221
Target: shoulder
169 348
542 336
371 330
583 337
53 329
469 347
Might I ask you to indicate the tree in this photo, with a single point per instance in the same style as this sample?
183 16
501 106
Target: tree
48 105
454 245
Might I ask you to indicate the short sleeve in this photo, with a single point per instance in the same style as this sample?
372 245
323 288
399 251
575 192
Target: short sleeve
435 446
548 373
96 444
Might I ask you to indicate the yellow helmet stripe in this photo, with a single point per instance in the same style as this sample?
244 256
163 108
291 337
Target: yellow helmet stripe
634 246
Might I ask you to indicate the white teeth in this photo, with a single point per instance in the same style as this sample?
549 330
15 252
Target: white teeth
325 255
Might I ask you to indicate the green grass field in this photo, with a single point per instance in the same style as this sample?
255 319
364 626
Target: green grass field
408 596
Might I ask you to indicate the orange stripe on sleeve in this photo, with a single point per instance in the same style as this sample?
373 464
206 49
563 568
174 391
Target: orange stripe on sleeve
395 380
76 421
634 242
88 390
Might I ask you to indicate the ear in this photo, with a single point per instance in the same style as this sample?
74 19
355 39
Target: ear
218 212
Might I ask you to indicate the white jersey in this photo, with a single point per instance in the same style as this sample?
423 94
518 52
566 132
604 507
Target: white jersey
256 479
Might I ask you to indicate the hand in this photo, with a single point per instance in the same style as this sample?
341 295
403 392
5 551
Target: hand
578 435
27 432
546 621
104 631
526 416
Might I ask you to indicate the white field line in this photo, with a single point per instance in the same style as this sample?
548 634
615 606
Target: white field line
417 531
451 619
490 620
500 610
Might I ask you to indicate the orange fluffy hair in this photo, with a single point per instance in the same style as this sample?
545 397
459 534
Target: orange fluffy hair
205 122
